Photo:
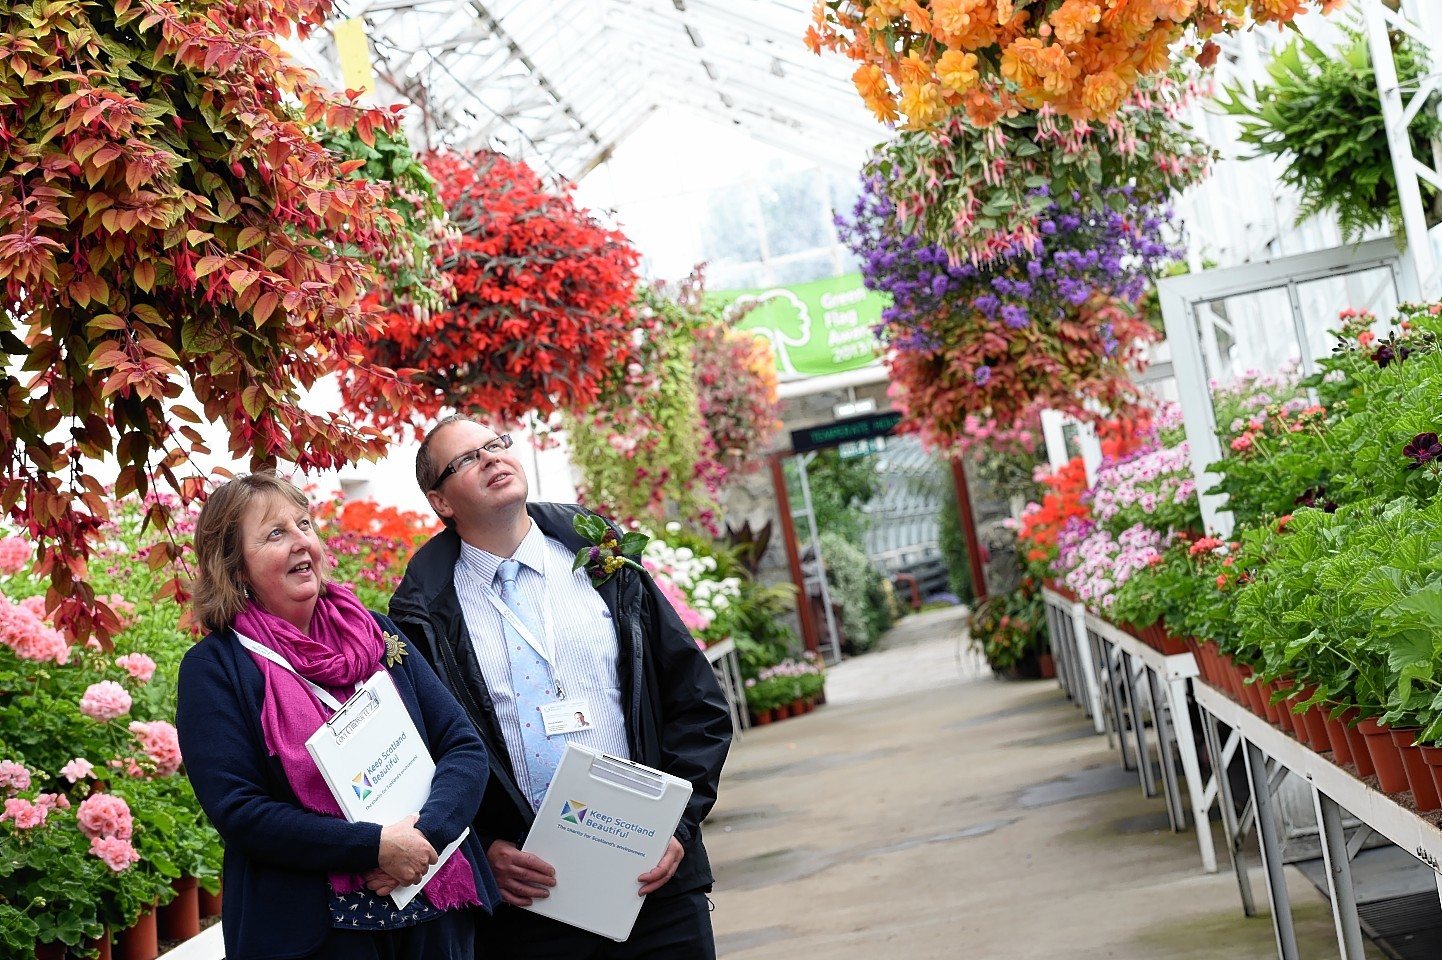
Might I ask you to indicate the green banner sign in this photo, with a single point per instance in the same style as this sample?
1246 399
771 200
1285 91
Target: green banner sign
825 326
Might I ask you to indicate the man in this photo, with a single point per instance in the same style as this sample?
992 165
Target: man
493 604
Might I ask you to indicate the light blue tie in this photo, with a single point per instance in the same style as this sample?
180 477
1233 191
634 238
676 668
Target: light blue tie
531 683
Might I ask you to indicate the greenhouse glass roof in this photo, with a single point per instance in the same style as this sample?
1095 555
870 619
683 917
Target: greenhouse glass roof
561 82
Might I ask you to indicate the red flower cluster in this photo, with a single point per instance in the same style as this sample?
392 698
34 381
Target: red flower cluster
539 310
380 538
1039 527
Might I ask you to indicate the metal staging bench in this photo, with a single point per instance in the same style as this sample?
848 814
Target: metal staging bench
1123 682
1270 754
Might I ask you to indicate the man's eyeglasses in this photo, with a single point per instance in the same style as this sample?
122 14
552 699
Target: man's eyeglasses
468 459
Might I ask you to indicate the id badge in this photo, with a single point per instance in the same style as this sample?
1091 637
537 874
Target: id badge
566 716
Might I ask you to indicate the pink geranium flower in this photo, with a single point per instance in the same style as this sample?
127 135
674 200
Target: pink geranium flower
14 554
138 665
161 743
105 700
13 777
24 630
117 853
24 814
105 815
77 769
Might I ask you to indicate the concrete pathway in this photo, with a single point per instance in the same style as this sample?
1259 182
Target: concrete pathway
924 813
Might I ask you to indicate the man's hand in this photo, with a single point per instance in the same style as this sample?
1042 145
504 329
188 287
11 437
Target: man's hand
522 876
405 853
656 878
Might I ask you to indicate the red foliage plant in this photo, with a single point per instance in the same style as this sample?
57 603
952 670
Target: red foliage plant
540 308
167 220
1062 368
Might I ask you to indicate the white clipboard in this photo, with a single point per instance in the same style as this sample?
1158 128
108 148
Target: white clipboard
603 823
377 766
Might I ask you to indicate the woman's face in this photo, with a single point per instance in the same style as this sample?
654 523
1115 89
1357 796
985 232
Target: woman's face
282 558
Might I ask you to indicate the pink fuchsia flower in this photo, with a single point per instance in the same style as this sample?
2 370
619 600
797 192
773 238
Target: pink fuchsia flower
105 815
14 555
104 701
13 777
117 854
77 769
161 744
24 814
140 667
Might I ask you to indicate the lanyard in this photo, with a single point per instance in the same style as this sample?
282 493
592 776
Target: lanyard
544 646
261 650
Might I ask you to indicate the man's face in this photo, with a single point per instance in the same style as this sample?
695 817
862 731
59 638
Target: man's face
492 482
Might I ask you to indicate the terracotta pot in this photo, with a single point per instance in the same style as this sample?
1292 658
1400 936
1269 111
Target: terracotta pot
210 903
50 951
101 946
781 712
1361 757
180 918
1432 756
1424 791
1271 710
761 718
1251 692
1316 720
1047 664
1337 736
798 707
1170 646
140 942
1386 758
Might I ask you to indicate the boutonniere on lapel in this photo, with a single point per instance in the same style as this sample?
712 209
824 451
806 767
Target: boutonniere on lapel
607 555
395 649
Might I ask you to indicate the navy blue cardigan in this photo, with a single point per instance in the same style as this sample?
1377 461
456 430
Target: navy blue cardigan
278 855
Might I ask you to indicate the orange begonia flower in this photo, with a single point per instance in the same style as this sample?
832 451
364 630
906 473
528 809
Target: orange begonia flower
1073 19
915 70
1178 11
918 19
1103 92
957 71
1056 69
921 102
1018 61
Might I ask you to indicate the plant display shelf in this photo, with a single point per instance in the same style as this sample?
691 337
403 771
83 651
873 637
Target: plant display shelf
1270 755
1066 624
726 662
1136 683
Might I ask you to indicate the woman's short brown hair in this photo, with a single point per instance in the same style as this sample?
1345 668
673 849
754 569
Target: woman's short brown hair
219 593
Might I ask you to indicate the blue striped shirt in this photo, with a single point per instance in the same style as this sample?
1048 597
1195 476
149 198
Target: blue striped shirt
584 638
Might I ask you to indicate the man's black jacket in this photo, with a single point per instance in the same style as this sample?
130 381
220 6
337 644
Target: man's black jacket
676 716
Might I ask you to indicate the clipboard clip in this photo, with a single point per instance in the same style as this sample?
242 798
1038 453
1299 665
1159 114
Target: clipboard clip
627 775
354 714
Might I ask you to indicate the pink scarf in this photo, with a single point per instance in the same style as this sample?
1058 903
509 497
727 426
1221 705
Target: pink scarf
344 648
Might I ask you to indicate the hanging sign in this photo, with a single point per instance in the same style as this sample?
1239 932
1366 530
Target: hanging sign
825 326
852 430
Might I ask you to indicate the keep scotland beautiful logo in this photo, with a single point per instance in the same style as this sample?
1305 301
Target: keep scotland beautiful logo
582 815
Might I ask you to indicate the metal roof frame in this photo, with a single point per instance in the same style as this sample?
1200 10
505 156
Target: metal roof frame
561 83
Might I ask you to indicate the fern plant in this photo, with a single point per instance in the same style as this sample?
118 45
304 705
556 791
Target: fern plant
1321 117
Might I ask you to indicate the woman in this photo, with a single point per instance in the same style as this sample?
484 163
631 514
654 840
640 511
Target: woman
282 642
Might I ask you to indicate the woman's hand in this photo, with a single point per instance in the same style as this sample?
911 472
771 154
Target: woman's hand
380 883
405 853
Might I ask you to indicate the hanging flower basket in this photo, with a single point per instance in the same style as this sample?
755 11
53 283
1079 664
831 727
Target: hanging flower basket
921 63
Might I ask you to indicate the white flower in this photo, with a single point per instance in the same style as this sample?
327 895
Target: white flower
684 553
673 527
